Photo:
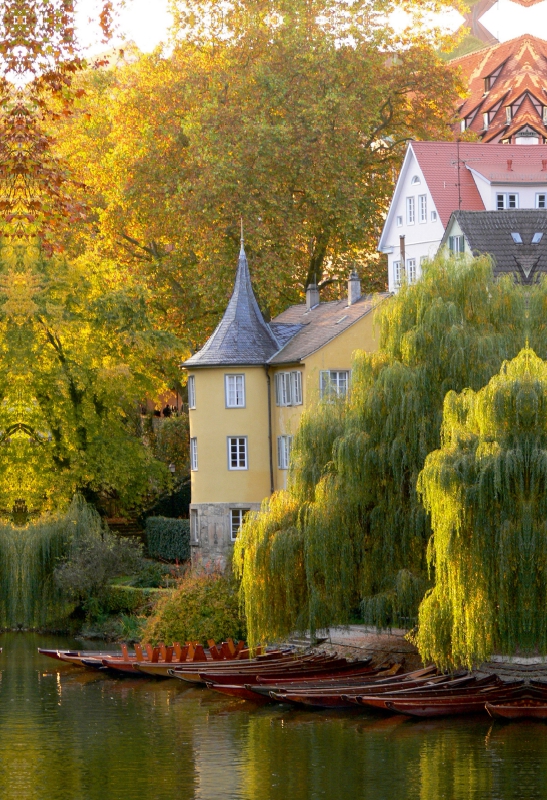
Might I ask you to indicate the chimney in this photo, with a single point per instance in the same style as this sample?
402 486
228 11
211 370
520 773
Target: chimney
312 296
509 165
354 288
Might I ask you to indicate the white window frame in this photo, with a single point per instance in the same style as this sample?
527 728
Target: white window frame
415 180
194 528
284 448
433 216
410 210
288 388
456 244
463 125
485 120
422 208
397 276
194 454
237 517
234 394
330 381
296 388
400 221
541 199
411 270
507 198
508 114
240 467
283 394
192 391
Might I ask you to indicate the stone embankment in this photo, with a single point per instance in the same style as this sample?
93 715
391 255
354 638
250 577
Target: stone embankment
362 641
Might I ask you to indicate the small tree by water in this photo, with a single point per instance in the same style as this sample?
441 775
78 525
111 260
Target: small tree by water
47 568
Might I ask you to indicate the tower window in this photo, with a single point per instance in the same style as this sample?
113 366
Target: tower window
237 452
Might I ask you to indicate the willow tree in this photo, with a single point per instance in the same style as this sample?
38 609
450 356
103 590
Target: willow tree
486 491
350 529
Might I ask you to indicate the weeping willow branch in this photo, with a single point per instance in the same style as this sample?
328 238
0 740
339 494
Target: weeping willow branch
350 531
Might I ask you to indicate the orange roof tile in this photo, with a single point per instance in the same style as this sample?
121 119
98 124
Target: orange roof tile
519 68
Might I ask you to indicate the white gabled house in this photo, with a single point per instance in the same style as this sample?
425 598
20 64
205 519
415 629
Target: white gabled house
438 178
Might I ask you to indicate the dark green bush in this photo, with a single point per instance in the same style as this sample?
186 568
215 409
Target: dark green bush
121 599
168 538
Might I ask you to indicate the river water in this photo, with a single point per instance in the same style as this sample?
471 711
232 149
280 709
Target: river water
78 735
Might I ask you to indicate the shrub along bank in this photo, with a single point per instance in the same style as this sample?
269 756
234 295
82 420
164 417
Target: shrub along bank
203 606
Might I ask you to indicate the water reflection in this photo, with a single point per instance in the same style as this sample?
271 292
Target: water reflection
83 736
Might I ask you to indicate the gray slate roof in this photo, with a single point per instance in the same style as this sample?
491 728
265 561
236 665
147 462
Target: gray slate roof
320 325
490 232
242 336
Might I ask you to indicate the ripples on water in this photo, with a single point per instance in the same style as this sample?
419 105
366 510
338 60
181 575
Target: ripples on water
76 735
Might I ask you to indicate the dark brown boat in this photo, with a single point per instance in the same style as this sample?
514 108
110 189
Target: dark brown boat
528 706
288 663
446 705
347 696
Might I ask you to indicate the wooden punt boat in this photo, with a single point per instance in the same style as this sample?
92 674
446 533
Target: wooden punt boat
348 697
376 678
449 705
193 674
242 692
311 672
340 696
523 708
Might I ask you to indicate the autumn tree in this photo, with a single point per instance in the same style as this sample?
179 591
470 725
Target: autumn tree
280 121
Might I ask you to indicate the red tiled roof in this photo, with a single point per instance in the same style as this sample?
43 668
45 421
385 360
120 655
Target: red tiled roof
439 164
520 84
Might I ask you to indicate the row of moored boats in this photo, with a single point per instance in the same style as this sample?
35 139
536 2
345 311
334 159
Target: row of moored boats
321 680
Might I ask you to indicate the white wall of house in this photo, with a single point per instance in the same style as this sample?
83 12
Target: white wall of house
422 229
527 193
418 221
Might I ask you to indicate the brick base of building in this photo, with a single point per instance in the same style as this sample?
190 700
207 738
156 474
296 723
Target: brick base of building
210 533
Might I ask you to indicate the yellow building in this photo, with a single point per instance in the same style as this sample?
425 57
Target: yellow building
247 388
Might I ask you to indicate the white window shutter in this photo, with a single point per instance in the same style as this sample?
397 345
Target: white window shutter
325 380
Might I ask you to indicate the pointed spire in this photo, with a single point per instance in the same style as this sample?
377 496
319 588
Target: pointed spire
242 336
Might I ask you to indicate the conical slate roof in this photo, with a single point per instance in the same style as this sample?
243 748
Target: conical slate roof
242 336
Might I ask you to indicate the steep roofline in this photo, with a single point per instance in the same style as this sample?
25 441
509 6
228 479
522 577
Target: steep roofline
391 211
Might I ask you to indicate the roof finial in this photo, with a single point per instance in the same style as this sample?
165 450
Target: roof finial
242 243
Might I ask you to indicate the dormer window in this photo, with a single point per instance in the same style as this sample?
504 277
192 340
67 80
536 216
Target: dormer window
508 114
537 237
517 238
544 115
415 180
487 85
485 121
462 125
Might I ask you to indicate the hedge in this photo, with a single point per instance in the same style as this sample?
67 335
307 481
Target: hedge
168 538
130 599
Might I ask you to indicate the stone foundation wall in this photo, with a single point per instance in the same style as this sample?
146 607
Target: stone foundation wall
210 533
